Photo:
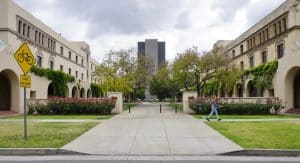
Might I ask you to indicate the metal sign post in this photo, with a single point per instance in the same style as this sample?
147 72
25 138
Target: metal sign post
25 114
26 60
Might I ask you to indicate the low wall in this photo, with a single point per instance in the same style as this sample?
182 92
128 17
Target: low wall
185 101
119 103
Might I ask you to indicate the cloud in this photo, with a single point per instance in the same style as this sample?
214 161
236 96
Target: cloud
120 24
227 9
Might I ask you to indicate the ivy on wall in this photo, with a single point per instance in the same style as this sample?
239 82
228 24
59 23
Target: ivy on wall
263 74
58 78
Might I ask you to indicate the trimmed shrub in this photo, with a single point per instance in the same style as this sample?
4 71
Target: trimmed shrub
201 106
74 106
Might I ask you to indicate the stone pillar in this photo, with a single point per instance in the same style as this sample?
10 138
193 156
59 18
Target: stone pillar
119 103
185 101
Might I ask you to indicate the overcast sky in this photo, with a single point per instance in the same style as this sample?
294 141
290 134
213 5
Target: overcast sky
120 24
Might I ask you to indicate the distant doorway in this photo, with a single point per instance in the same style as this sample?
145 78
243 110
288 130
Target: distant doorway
74 92
252 91
239 90
5 92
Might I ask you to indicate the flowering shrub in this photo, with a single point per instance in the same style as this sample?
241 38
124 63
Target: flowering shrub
58 106
203 106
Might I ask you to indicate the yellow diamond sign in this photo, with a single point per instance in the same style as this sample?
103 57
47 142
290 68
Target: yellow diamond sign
24 58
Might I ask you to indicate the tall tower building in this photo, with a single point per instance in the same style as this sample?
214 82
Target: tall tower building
153 50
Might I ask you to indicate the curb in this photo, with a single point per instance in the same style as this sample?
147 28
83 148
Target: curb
37 151
264 152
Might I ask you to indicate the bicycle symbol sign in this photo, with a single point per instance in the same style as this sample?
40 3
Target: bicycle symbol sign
24 58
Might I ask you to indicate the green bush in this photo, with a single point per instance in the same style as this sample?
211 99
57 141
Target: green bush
74 106
204 107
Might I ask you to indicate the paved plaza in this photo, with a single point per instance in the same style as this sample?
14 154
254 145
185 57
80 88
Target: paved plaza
146 131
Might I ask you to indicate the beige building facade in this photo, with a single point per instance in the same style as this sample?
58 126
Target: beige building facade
50 49
275 37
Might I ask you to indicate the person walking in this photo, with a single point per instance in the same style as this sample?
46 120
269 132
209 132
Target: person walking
214 109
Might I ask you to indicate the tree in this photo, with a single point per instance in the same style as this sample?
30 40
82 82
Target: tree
162 84
117 72
192 71
184 67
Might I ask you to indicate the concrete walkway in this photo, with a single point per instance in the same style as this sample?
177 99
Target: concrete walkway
147 132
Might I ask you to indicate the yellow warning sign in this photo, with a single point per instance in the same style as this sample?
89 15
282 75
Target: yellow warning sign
25 81
24 58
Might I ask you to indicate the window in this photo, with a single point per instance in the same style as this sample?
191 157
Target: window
263 36
51 65
81 61
54 45
242 65
28 32
39 61
76 59
284 24
36 36
70 55
82 76
242 49
267 32
260 38
91 67
70 71
76 74
233 53
251 60
42 39
264 57
87 74
280 51
48 42
20 26
275 29
62 50
39 37
32 94
279 25
61 67
24 29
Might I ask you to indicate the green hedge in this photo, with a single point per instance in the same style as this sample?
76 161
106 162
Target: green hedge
73 106
236 108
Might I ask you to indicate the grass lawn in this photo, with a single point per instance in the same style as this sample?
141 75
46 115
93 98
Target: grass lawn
93 117
173 105
198 116
126 106
264 135
40 135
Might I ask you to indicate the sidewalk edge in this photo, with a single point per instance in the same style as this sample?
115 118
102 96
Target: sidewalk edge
264 152
37 151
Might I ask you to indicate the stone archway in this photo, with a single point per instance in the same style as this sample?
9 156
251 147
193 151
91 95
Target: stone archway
82 93
292 87
89 93
297 91
9 91
5 92
239 90
74 92
51 90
